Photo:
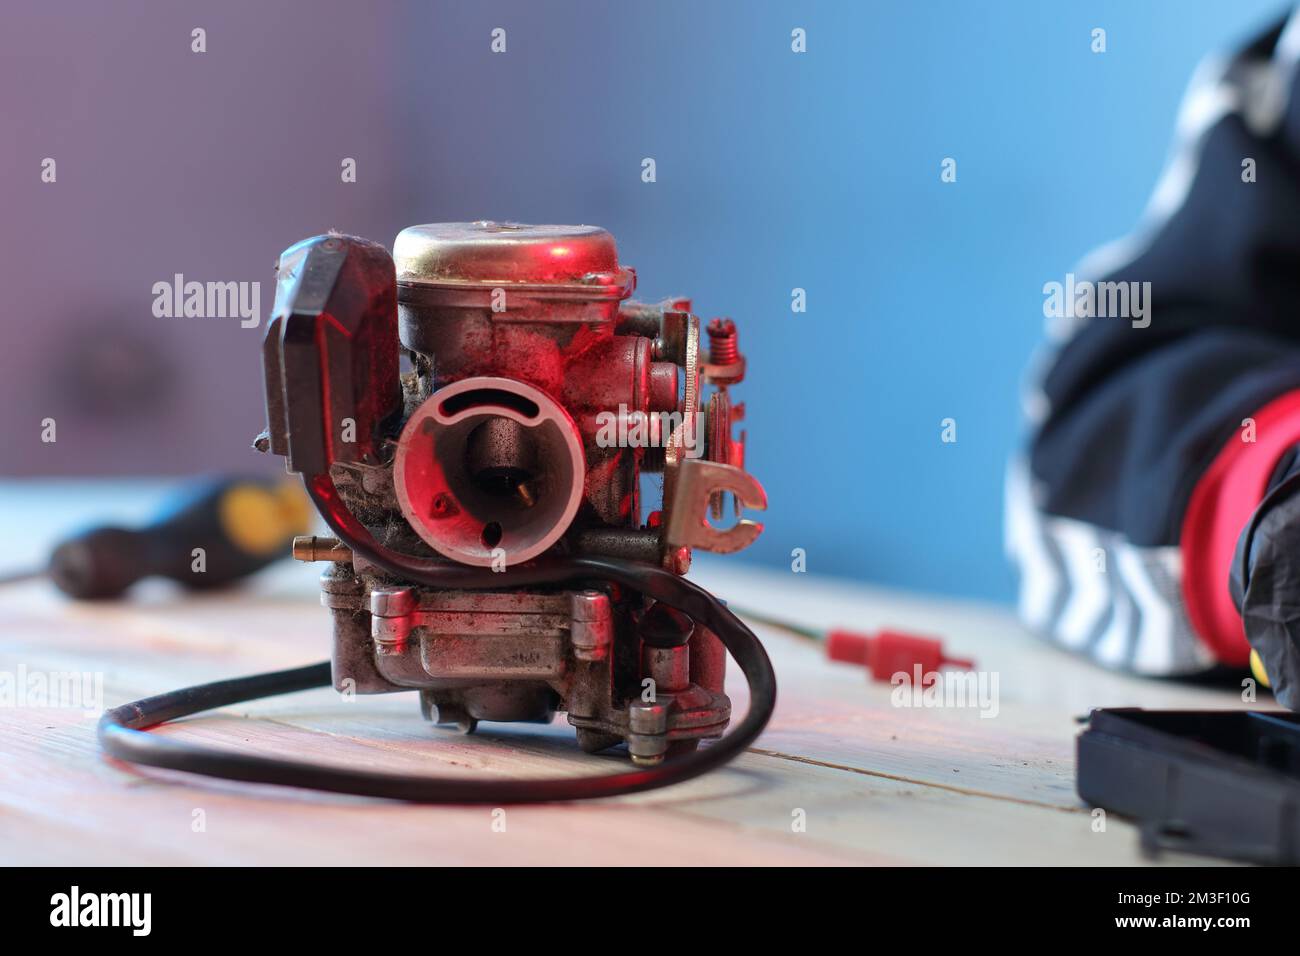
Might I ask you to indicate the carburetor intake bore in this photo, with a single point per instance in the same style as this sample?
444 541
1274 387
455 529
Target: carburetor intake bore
489 469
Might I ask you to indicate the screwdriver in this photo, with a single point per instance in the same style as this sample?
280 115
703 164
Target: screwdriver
212 534
884 654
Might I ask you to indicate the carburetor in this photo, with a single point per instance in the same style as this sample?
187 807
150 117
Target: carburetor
538 396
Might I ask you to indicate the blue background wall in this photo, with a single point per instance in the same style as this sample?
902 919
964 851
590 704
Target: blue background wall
775 171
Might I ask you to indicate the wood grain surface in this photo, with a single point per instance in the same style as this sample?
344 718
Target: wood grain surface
874 783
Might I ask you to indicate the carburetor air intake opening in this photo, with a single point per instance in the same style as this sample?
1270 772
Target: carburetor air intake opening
489 471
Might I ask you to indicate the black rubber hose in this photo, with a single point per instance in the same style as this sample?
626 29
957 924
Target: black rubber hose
121 729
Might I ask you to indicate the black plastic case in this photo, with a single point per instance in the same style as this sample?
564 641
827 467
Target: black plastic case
1224 783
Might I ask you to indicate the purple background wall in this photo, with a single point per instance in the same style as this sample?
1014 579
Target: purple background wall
170 161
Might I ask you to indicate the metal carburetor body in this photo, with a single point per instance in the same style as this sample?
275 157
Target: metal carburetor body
537 397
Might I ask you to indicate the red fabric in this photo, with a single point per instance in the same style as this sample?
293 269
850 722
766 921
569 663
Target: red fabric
1220 506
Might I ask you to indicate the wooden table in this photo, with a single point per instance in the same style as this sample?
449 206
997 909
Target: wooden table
873 783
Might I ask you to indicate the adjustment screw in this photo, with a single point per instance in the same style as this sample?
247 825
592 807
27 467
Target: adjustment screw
724 348
648 741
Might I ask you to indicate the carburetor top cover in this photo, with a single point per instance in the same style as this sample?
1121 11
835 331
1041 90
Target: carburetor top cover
537 396
490 254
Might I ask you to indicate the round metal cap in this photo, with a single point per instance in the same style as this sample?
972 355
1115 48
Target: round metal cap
501 253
